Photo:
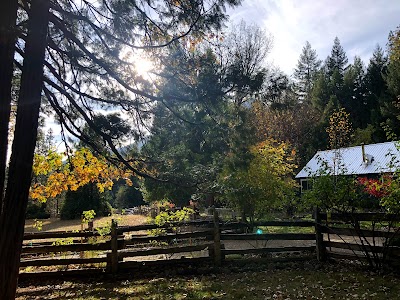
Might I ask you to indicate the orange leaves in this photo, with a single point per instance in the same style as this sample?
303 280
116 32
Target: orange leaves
128 182
54 176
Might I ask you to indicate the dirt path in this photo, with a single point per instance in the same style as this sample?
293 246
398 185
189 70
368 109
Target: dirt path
70 225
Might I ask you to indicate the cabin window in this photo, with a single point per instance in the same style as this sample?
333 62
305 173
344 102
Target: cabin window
305 184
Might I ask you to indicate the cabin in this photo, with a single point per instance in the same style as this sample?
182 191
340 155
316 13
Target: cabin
365 160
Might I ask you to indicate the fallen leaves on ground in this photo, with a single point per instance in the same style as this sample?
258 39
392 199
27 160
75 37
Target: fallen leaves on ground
274 282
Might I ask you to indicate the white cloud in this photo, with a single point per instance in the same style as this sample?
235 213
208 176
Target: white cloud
359 24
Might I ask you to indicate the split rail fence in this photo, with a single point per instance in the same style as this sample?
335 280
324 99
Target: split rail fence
212 242
373 238
134 247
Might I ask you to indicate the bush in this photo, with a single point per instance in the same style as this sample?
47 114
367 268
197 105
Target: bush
36 211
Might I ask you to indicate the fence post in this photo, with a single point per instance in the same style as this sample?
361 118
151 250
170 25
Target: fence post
319 238
217 240
114 247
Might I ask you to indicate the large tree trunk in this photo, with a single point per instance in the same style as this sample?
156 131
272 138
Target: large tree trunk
8 16
12 219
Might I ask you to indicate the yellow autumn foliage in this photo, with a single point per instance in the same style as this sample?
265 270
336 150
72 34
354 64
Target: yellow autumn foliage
54 174
266 183
272 162
339 129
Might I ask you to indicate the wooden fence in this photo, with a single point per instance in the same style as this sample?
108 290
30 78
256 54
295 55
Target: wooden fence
131 247
113 249
119 248
373 238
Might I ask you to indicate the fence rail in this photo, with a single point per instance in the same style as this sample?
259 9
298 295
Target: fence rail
354 241
361 232
62 261
59 235
269 237
205 241
125 247
268 250
368 216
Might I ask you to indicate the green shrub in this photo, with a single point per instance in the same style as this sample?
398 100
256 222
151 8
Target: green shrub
36 211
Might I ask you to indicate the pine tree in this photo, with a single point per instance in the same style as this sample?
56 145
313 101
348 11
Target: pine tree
354 94
374 78
376 90
328 86
72 54
391 108
337 60
321 91
306 71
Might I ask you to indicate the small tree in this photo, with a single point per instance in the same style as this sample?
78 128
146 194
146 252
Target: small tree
339 129
263 183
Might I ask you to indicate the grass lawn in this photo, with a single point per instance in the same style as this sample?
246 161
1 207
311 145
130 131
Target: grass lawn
287 229
70 225
301 281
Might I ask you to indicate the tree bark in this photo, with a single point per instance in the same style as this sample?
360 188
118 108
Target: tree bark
12 219
8 16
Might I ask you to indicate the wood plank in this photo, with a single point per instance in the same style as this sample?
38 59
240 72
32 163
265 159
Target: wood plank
272 236
351 246
65 273
67 248
286 223
157 251
217 247
49 243
392 250
122 229
270 259
267 250
114 247
353 232
58 235
163 263
169 237
369 216
61 261
319 237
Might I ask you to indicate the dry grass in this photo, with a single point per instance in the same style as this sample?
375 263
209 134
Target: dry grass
70 225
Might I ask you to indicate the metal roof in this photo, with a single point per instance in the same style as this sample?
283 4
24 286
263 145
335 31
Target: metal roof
378 158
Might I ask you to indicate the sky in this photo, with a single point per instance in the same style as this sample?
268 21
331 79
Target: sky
359 24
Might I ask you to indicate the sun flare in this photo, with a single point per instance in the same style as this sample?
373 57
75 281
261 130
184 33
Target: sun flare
143 66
